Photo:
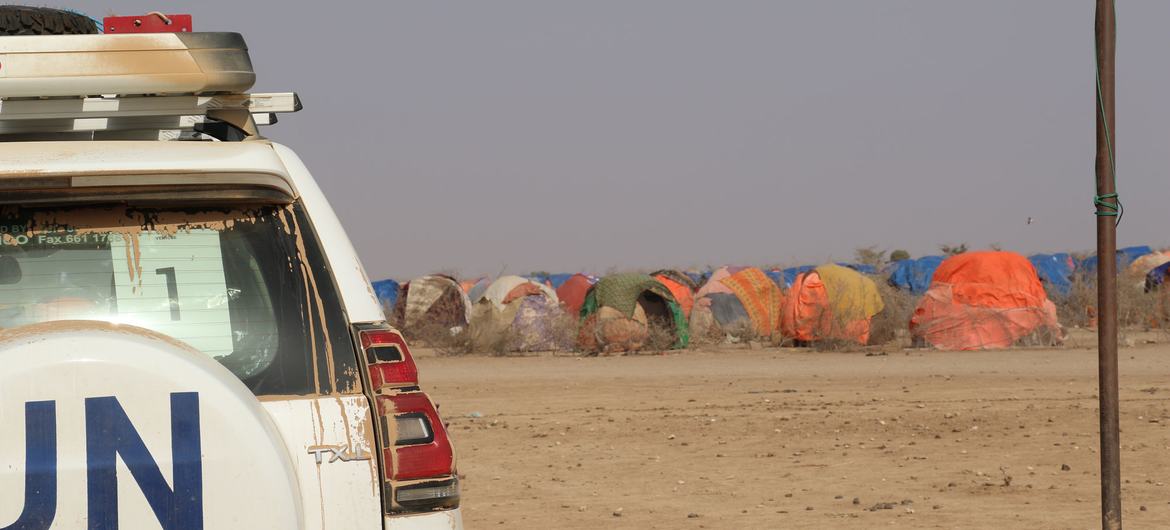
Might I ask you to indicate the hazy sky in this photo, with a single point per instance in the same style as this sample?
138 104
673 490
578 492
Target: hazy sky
483 137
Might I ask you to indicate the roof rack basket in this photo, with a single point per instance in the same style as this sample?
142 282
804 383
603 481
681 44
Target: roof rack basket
160 86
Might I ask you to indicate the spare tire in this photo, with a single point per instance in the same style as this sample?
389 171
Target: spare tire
82 403
25 20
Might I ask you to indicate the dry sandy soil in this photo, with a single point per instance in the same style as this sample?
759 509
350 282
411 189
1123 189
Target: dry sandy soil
799 439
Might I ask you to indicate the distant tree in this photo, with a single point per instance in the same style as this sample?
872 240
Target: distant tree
953 250
870 256
899 255
996 247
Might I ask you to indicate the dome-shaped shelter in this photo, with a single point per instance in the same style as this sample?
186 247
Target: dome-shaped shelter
1144 264
1055 271
830 302
387 293
517 314
474 287
913 275
984 300
631 312
744 296
432 303
681 286
572 292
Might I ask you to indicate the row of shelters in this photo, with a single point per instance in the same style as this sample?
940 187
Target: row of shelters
973 300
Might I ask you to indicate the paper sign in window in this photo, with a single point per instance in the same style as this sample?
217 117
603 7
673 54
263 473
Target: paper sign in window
174 284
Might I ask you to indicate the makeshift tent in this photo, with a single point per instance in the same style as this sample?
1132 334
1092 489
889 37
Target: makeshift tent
1055 271
619 310
714 283
508 288
791 273
558 279
517 314
387 293
830 302
680 286
435 302
761 299
475 288
984 300
553 280
1125 256
698 277
1157 277
913 275
747 296
572 292
1143 265
727 310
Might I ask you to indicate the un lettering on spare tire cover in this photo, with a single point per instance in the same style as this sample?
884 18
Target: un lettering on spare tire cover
109 426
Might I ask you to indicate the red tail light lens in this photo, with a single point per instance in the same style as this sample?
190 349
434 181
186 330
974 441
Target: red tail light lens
389 360
417 459
420 448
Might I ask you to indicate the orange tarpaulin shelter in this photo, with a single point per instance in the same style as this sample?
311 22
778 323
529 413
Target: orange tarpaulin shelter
830 302
682 291
983 300
761 299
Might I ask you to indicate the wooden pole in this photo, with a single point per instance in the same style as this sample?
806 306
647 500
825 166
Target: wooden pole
1106 38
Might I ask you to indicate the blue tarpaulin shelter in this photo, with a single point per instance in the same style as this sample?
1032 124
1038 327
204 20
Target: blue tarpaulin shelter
913 275
1156 277
1055 271
387 291
1125 256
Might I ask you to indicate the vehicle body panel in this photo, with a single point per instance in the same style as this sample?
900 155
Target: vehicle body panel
330 441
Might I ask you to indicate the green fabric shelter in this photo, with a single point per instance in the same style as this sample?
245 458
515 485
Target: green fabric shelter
621 292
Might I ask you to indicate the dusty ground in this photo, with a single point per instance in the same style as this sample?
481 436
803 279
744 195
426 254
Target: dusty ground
797 439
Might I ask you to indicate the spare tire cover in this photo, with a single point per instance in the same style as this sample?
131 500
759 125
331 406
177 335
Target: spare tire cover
114 426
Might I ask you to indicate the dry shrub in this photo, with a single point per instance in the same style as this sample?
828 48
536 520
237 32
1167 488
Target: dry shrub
740 331
564 329
704 330
1137 310
892 324
438 336
1076 308
660 335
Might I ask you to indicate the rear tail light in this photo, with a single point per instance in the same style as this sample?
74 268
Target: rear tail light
425 451
429 496
416 456
389 360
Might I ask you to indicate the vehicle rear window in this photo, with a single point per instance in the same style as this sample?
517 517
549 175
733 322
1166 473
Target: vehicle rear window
236 284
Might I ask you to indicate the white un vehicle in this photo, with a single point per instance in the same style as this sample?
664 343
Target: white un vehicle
187 338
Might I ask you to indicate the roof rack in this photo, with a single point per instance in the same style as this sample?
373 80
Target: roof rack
157 86
140 117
